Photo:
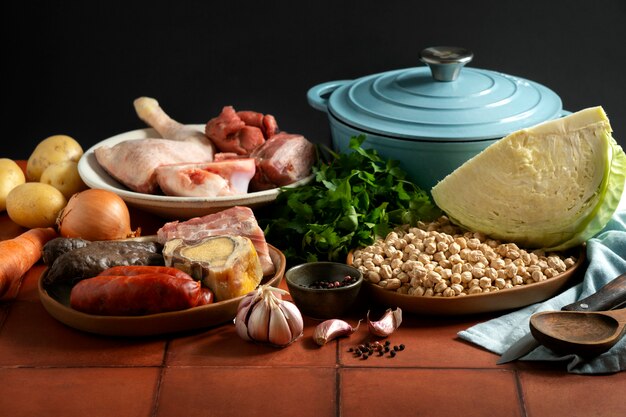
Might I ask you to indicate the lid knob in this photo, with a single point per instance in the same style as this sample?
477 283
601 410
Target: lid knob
445 62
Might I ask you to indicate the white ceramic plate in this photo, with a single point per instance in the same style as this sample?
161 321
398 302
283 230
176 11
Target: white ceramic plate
169 207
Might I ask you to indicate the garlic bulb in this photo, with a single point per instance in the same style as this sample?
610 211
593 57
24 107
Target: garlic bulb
332 329
388 323
263 316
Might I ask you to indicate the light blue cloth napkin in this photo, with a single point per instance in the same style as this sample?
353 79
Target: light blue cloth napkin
606 253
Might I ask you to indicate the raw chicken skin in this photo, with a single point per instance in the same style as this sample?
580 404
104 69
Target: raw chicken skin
213 179
134 162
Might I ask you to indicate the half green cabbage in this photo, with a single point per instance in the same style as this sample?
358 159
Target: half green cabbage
551 186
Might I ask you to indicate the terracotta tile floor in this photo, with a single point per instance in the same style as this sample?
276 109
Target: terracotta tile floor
49 369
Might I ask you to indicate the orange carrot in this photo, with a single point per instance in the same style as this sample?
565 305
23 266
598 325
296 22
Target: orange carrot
19 254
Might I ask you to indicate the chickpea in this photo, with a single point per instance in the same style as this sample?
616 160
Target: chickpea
439 257
479 273
396 263
373 277
448 292
454 248
386 272
484 282
466 277
475 290
440 286
378 259
393 284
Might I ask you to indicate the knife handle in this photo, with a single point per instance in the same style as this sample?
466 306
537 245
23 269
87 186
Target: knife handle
607 297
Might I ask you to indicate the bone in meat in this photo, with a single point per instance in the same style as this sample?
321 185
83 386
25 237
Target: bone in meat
133 162
149 110
213 179
238 221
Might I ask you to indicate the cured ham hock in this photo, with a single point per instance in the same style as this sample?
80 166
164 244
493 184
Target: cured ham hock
237 221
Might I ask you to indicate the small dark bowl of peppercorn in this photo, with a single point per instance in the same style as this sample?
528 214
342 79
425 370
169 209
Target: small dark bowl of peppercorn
324 290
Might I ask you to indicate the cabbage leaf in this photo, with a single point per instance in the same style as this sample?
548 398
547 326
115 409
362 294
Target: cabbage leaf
551 186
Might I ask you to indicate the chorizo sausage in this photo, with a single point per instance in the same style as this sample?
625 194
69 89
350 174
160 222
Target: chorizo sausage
131 270
119 295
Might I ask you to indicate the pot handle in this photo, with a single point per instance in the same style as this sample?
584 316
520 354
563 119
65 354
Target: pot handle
318 95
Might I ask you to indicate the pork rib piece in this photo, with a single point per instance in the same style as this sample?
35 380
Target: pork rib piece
213 179
134 162
283 159
240 132
265 122
238 221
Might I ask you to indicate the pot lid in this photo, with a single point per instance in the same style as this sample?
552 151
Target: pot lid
443 100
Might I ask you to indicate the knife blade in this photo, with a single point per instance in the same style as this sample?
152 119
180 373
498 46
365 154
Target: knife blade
610 296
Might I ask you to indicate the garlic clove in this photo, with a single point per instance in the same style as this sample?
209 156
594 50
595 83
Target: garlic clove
294 319
258 322
279 333
241 320
249 299
332 329
387 324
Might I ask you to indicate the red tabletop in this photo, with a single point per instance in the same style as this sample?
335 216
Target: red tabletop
49 369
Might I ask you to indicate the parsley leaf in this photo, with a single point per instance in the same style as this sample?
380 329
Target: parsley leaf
353 198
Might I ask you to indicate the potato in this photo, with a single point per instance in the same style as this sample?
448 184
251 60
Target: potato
64 177
11 175
34 204
52 150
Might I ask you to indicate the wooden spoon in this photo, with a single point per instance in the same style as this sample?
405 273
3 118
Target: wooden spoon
581 332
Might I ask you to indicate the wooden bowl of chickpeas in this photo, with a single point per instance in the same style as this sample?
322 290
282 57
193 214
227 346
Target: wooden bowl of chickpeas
437 268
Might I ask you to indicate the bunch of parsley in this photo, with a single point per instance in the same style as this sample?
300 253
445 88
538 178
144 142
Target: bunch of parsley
353 198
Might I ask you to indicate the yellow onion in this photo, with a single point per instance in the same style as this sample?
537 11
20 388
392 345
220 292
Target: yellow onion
95 214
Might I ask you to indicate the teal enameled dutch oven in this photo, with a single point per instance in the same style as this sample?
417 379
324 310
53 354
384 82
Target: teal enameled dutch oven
435 117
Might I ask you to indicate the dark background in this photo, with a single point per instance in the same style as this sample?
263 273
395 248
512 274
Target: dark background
74 67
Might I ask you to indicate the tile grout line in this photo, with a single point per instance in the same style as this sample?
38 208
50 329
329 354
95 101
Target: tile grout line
520 393
157 389
157 393
338 391
337 380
